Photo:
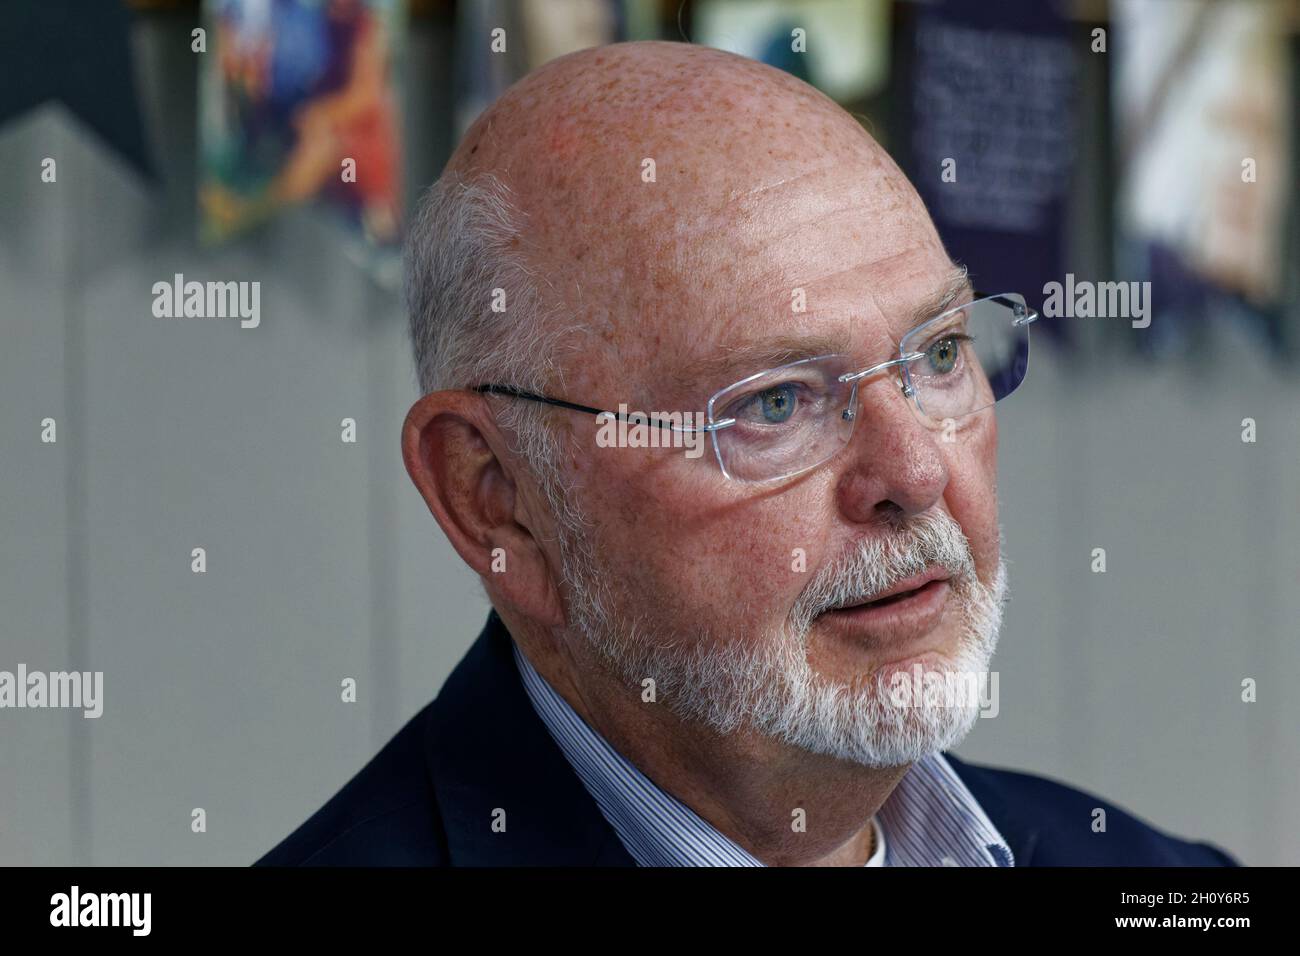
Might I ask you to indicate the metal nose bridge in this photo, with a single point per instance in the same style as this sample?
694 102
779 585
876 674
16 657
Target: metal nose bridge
856 377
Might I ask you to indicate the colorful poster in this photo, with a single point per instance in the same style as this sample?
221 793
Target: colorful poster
498 41
839 46
1203 108
297 104
993 96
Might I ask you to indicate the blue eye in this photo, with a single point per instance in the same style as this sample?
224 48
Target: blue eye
778 403
943 353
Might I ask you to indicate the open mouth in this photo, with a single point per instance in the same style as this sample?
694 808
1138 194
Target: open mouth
903 621
917 590
898 598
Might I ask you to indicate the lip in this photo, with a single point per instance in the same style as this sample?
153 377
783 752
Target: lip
914 583
915 609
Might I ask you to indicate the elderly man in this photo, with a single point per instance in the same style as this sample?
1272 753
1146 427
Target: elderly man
706 650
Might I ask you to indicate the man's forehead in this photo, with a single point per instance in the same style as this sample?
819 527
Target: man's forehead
820 261
763 341
813 191
656 267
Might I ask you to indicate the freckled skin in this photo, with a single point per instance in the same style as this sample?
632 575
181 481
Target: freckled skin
762 184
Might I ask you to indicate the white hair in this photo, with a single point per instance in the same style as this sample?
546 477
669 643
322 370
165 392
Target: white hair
467 247
765 682
468 240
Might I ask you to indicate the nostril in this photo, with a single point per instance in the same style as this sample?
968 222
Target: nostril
892 515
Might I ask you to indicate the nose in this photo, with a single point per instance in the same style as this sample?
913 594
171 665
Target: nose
894 466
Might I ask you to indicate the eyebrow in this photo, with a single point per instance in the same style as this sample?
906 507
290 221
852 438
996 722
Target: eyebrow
780 350
759 355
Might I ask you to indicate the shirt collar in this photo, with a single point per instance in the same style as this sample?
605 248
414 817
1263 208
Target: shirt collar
930 818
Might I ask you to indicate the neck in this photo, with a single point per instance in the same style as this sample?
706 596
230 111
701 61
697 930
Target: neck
751 788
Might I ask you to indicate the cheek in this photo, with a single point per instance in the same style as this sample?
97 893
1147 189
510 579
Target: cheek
766 547
971 495
698 558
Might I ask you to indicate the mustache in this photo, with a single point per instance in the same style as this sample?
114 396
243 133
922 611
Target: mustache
872 566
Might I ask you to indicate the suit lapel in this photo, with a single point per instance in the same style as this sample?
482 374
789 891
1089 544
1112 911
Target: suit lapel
1021 837
489 753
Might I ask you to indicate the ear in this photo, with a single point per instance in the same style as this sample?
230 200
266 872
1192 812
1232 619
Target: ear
459 461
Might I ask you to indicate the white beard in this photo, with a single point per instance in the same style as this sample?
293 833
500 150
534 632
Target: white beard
768 685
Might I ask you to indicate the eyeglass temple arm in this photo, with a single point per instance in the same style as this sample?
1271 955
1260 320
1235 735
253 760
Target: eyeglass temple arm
1024 314
560 403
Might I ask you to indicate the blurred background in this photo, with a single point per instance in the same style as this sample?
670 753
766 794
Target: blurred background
1143 140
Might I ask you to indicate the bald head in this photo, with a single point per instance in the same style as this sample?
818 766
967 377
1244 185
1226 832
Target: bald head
577 129
654 181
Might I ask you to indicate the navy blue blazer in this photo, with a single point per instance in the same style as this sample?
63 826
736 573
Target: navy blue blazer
428 797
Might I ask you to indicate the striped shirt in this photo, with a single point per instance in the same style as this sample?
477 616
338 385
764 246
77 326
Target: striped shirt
930 818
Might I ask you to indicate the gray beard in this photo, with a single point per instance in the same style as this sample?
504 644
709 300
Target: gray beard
767 686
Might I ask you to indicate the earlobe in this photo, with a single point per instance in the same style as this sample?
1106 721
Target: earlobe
457 459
